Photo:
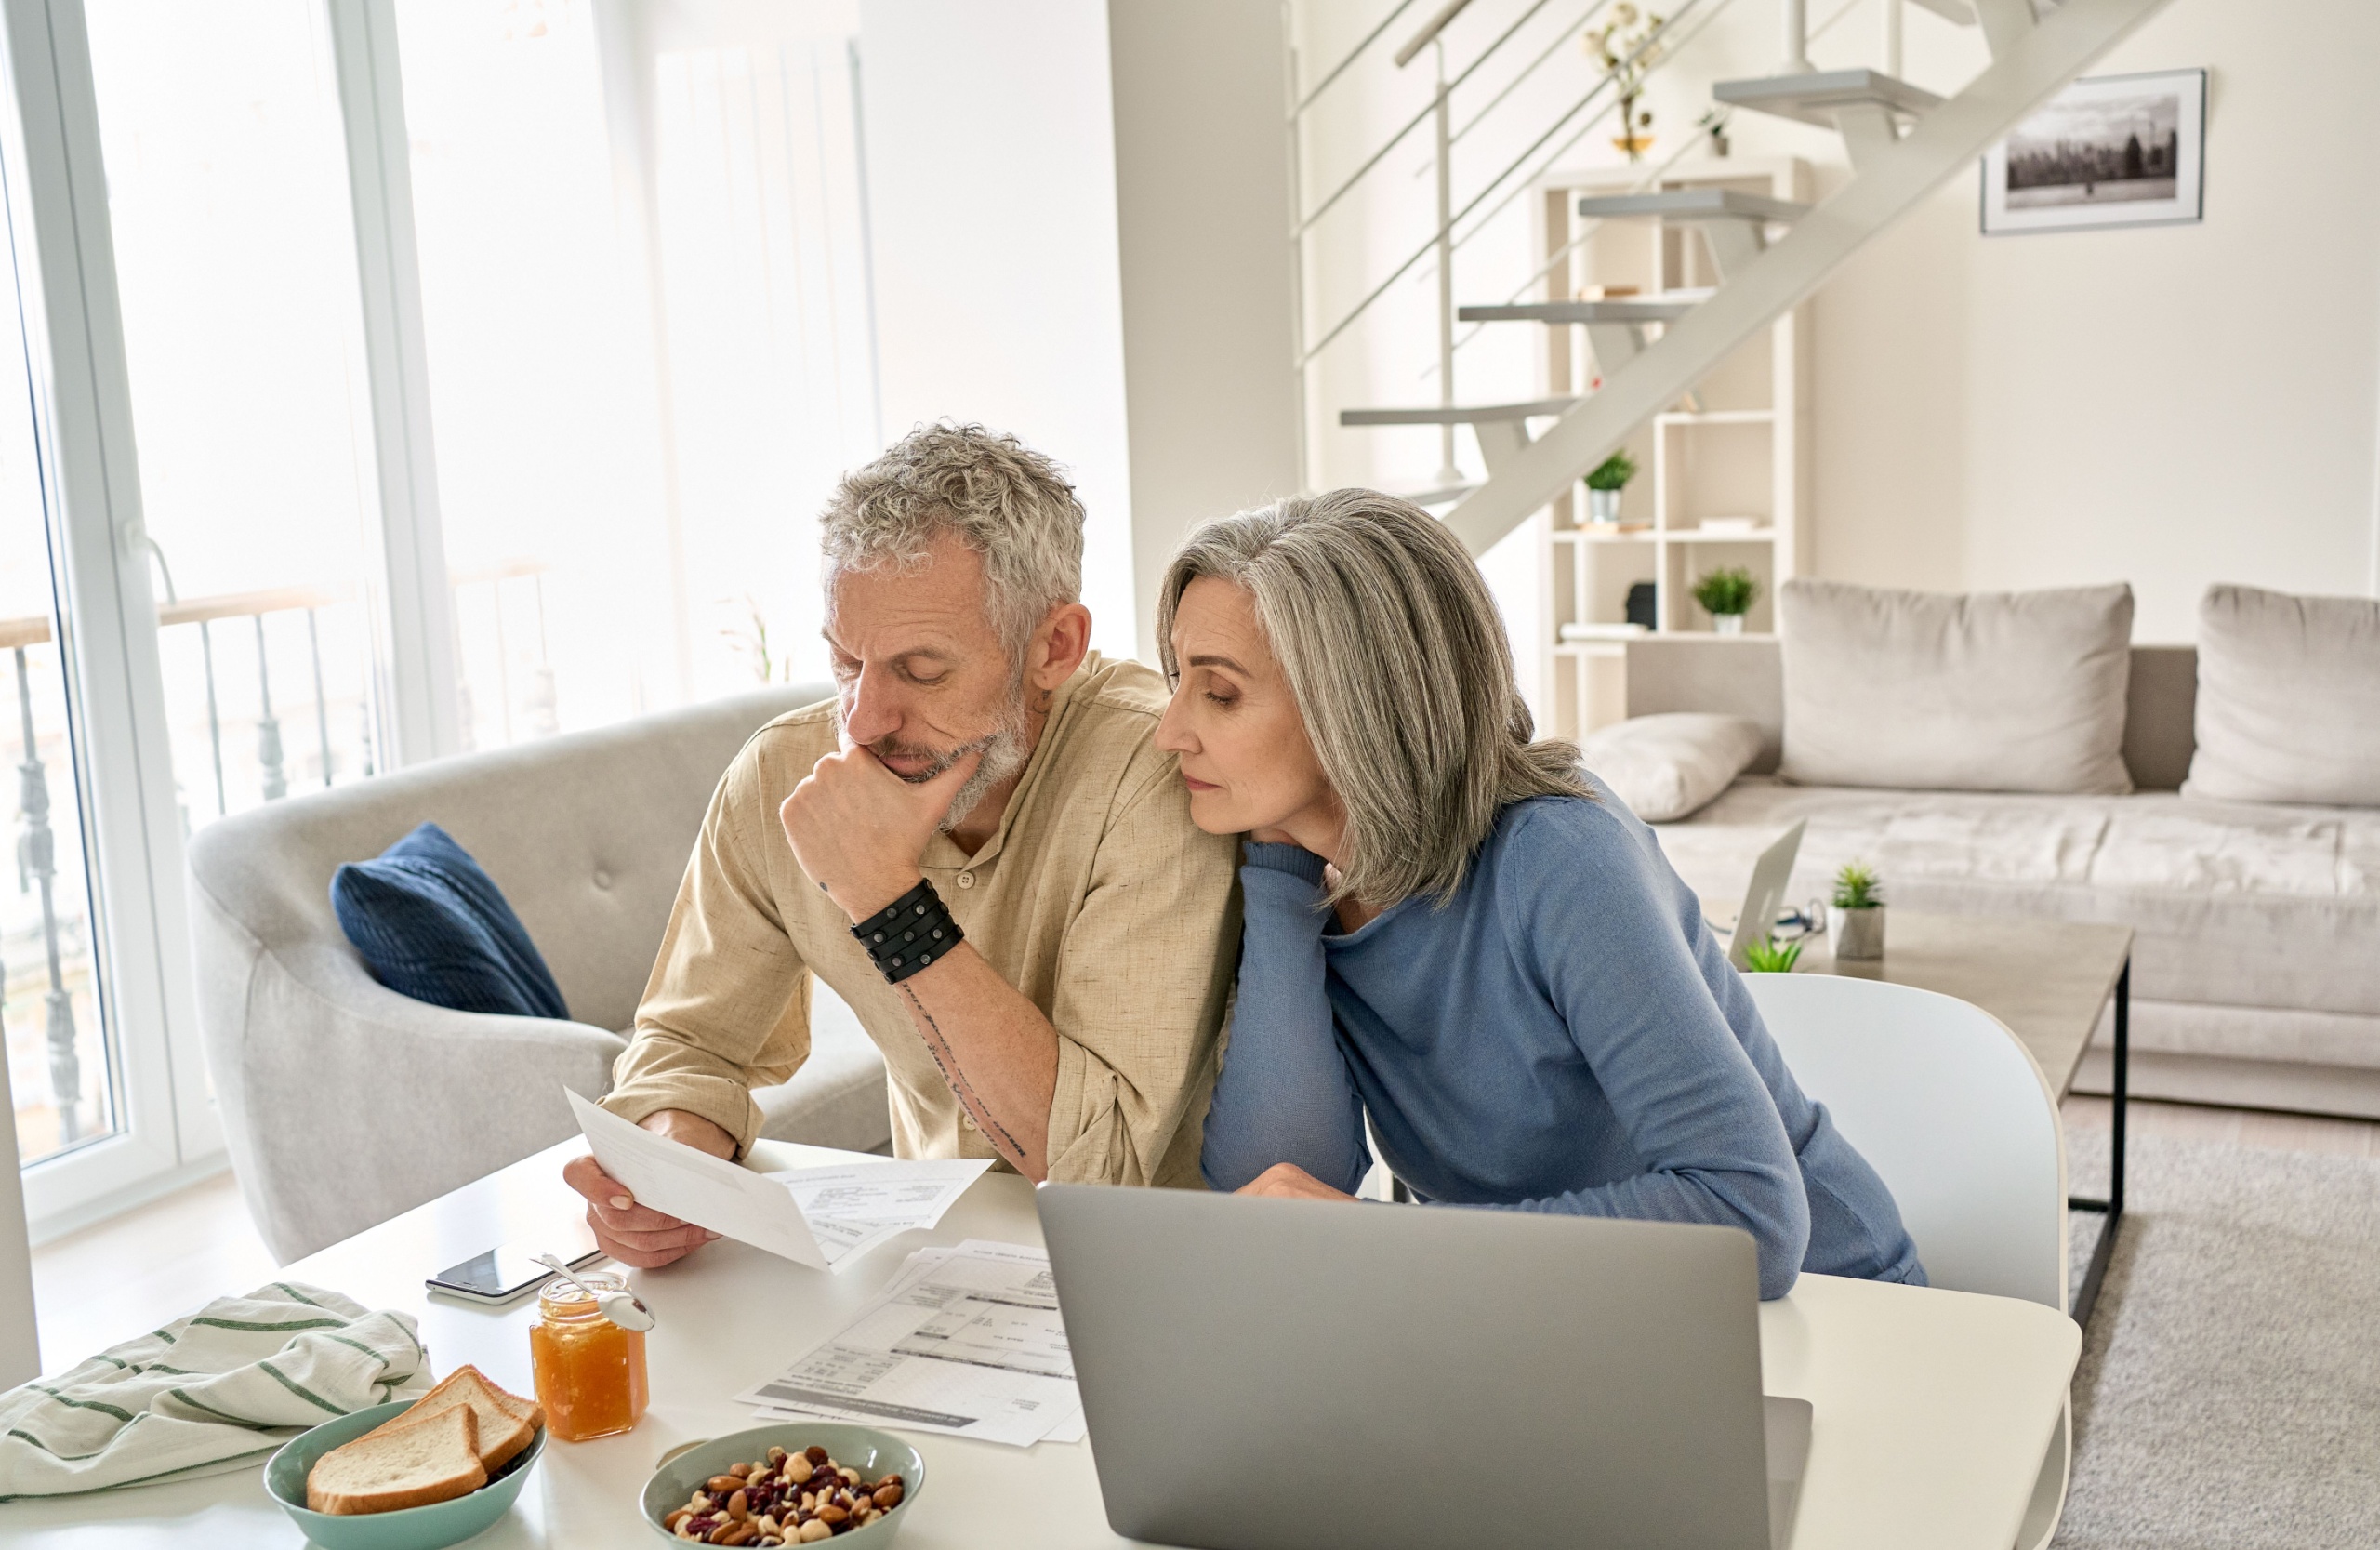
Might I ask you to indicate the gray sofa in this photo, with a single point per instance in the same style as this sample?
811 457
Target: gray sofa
2256 966
345 1102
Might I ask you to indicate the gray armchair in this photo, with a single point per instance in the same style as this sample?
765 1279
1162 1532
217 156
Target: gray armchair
345 1102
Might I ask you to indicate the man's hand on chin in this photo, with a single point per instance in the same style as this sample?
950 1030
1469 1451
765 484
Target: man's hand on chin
633 1234
857 830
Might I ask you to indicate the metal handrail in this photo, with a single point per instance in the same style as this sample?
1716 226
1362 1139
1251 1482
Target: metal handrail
1713 10
1353 55
1306 222
1576 27
1430 31
33 628
36 841
1657 37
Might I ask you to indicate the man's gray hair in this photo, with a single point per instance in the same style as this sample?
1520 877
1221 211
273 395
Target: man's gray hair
990 491
1398 661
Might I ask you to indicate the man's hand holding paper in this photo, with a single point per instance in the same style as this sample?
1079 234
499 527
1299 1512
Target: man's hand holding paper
857 1204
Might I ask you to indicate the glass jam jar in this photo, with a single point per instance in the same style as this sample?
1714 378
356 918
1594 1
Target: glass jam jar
591 1372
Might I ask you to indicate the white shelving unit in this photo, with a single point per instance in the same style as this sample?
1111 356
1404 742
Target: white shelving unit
1722 480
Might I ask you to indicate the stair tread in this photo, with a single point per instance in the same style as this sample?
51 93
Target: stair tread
1694 205
1631 310
1458 414
1813 98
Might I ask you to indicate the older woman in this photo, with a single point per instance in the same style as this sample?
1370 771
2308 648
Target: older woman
1454 931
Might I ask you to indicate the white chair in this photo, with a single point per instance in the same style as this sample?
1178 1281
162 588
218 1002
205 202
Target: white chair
1954 1113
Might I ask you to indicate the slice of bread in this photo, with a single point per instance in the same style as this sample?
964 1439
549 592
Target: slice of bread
507 1423
390 1467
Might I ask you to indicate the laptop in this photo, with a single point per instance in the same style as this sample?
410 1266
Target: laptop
1263 1374
1757 921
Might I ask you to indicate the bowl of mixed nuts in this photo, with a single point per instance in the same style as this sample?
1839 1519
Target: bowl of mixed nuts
787 1484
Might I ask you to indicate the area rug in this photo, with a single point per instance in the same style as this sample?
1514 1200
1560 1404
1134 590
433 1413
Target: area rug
2228 1397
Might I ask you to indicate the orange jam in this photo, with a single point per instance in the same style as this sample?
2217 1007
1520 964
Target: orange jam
591 1372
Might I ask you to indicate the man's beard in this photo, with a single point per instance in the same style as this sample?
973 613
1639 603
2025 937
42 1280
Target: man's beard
1004 750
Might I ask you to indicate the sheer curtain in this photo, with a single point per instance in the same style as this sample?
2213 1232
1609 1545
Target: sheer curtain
763 286
644 269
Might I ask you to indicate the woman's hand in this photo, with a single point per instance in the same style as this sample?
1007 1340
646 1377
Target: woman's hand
1286 1180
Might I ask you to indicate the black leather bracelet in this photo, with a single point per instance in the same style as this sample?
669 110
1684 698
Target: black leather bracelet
910 934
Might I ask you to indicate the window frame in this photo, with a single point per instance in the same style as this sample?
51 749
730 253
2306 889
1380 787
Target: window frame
105 621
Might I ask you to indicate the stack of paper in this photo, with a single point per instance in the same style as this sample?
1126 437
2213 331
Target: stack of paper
826 1218
965 1341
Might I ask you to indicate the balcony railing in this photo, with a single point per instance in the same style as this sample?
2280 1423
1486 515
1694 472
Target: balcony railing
280 689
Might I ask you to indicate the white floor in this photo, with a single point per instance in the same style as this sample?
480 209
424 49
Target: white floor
132 1273
124 1277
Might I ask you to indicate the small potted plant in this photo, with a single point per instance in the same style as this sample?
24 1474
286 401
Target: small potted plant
1727 594
1859 913
1772 957
1603 485
1715 126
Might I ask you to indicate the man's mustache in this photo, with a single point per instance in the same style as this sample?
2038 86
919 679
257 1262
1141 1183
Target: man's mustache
942 763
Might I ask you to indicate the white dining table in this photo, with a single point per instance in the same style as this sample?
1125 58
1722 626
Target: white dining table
1932 1408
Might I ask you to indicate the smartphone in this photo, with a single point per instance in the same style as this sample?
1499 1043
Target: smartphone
504 1273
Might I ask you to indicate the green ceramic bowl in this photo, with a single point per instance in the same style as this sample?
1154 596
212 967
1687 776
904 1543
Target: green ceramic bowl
873 1453
430 1528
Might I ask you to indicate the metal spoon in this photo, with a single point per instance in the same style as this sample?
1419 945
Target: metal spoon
623 1309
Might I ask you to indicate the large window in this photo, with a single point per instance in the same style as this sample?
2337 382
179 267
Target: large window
763 262
235 266
643 276
63 1067
106 1086
619 251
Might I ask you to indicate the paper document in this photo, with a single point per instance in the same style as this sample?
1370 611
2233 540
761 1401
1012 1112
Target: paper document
859 1204
965 1341
852 1207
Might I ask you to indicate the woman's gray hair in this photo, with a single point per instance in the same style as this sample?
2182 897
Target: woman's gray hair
1001 499
1397 656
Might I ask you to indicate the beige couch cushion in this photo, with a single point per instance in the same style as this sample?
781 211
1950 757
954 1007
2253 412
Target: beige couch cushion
1975 692
1664 767
2235 905
2288 699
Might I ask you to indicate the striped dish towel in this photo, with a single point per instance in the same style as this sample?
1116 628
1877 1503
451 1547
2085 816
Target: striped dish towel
240 1376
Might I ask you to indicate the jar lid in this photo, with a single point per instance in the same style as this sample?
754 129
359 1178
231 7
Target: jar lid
562 1300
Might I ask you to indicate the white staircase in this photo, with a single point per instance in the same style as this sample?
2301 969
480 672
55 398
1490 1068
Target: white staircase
1735 225
1867 107
1616 328
1903 143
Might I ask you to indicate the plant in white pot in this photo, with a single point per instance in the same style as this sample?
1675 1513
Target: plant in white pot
1859 913
1603 485
1726 594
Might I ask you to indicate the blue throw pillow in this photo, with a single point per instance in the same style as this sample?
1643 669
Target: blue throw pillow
430 924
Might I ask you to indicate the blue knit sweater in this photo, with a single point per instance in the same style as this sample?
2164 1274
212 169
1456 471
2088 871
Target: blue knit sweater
1565 1035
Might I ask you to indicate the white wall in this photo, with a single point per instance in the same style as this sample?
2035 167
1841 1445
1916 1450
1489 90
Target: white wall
1202 197
1095 267
2170 406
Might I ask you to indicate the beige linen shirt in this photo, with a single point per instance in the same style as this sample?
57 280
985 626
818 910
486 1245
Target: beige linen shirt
1097 899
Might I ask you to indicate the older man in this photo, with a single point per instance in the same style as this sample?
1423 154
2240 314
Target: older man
974 843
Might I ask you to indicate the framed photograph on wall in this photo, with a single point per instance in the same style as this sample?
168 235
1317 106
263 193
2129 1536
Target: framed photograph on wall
2110 151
